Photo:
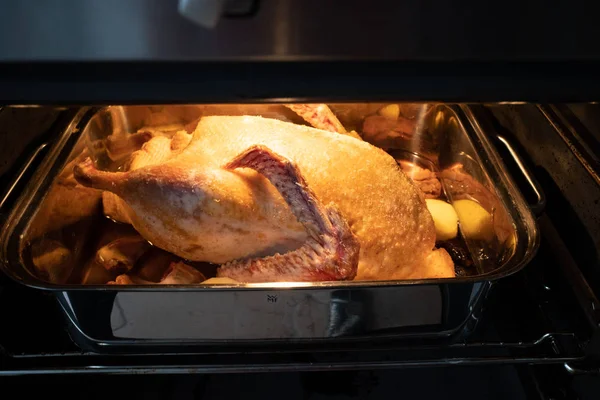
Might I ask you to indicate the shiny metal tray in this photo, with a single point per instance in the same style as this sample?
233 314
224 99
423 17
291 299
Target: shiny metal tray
438 137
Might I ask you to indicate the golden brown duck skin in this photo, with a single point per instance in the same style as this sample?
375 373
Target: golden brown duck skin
330 252
193 207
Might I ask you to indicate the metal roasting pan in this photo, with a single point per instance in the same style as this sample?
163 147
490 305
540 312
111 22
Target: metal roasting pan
162 318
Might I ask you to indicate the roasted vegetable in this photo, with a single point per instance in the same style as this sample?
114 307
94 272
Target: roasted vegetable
444 218
475 222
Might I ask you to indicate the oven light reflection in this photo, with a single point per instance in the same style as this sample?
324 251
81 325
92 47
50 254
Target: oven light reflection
280 285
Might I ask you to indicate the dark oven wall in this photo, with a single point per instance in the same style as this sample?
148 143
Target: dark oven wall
572 192
381 29
145 51
22 130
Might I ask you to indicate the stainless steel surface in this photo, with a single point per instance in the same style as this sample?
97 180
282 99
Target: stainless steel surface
480 120
21 130
163 321
272 314
207 13
571 189
26 164
589 158
540 203
542 350
276 314
384 29
585 295
587 114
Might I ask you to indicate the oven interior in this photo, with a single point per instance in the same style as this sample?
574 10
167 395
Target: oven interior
544 314
529 77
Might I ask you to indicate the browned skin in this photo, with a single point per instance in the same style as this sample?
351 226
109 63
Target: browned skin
191 206
331 250
160 149
376 129
425 179
320 116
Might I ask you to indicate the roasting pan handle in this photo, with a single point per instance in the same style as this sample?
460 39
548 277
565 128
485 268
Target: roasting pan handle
540 202
4 197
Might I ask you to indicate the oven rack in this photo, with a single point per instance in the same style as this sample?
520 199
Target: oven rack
551 348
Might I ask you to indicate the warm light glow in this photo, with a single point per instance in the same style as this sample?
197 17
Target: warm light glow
280 285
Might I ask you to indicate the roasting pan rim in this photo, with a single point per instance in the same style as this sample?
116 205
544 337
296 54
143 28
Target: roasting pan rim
60 149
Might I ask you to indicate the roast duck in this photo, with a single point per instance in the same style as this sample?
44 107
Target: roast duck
269 200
